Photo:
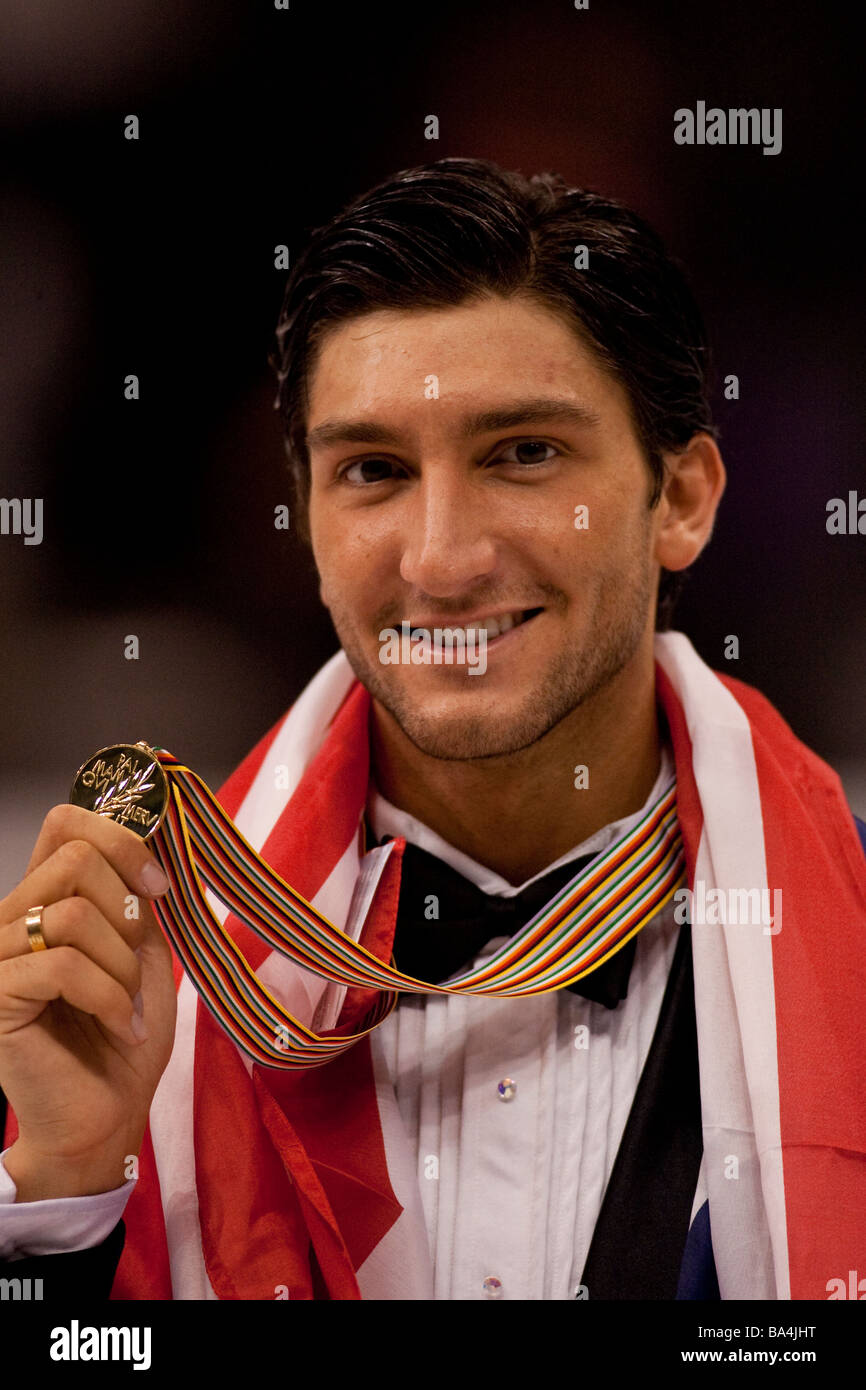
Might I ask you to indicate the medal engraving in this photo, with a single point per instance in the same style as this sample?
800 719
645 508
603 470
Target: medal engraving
125 782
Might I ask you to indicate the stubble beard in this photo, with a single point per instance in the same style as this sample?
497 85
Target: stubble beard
572 678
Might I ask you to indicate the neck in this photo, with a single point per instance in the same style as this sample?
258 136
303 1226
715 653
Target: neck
518 813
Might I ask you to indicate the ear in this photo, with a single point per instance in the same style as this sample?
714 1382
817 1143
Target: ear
694 482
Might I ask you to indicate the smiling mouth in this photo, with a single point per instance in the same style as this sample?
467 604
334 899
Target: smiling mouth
493 627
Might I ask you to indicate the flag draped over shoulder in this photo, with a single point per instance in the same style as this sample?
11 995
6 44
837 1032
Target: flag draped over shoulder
256 1183
780 1017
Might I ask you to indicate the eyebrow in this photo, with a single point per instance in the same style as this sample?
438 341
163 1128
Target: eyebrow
529 412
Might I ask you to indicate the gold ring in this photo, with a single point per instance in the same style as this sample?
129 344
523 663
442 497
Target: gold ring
33 923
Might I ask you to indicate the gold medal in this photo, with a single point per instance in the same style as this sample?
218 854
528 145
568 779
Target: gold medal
125 782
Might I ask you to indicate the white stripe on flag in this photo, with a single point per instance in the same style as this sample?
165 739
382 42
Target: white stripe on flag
734 993
171 1132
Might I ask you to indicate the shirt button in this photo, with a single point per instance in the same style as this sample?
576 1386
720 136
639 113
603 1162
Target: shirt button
492 1286
507 1088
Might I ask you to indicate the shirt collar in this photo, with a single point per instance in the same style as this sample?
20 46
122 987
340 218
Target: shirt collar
387 819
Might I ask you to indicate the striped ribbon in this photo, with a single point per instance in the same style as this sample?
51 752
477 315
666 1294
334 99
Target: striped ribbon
200 848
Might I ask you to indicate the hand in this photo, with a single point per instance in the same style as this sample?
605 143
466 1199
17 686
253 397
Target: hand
78 1064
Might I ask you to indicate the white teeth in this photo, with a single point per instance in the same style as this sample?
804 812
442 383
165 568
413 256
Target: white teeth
493 627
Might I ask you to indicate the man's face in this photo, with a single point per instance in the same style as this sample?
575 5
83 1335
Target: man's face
460 509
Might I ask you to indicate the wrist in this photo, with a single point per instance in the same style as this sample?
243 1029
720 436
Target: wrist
40 1177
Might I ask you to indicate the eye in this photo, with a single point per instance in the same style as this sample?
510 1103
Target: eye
380 468
529 448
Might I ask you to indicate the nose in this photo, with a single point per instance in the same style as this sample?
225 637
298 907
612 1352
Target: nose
448 541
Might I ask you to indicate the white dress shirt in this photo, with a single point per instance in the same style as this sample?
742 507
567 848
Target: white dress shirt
511 1188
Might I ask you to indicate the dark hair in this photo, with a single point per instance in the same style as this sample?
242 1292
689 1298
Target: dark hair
446 232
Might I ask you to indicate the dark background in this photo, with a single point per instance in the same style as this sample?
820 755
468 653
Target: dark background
156 257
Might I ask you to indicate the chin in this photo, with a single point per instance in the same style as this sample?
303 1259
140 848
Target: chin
474 723
462 738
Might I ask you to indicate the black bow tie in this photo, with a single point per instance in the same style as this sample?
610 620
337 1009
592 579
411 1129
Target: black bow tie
434 948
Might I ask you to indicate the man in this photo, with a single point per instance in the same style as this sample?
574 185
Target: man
495 399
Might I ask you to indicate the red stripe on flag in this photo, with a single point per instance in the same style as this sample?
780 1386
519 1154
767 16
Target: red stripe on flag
322 817
144 1270
819 967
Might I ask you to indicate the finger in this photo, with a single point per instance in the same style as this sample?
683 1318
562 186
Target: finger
78 869
76 922
125 851
29 982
